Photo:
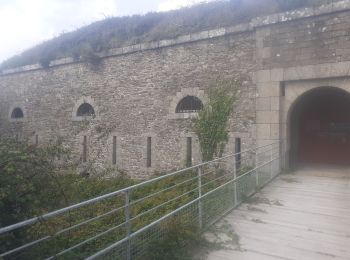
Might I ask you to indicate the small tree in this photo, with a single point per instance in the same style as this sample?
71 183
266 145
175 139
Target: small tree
211 124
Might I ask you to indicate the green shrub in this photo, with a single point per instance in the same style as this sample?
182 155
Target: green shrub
33 183
174 239
211 124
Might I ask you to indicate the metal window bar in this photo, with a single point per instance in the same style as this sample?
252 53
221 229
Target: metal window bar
85 148
188 151
114 152
230 196
149 152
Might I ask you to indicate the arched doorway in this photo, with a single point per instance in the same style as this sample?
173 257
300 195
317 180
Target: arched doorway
320 128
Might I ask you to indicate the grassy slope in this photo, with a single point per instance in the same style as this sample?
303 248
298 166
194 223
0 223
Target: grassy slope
120 31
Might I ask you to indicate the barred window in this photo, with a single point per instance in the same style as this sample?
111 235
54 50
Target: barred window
17 113
85 109
189 104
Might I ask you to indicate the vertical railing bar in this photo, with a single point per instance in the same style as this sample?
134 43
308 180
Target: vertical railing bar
235 182
257 169
128 226
200 216
271 162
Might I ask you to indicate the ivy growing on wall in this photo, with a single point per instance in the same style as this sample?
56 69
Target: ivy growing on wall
211 124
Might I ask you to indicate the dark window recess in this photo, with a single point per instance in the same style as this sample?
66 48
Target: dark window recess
114 150
17 113
149 152
189 152
85 149
283 89
85 110
238 153
189 104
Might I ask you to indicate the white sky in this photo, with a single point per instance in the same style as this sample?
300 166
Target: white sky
25 23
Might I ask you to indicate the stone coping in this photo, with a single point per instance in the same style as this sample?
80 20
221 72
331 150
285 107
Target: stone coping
203 35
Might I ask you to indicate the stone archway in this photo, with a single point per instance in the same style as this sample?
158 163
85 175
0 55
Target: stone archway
319 127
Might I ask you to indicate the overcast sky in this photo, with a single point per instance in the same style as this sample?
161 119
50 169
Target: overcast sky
25 23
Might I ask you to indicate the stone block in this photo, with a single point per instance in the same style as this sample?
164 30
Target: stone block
263 76
267 117
199 36
275 131
263 131
263 103
165 43
264 142
277 75
217 32
265 53
300 72
183 38
128 49
238 28
269 89
275 103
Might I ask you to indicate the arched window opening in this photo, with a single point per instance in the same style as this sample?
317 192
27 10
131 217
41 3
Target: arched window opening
85 110
189 104
17 113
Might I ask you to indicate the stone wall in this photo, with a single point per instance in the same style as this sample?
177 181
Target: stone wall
134 90
132 96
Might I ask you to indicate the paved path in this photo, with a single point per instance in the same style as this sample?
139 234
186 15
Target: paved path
299 216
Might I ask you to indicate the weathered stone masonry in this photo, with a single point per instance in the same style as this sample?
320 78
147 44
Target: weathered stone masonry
134 90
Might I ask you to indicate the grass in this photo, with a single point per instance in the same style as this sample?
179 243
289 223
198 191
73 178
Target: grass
173 237
115 32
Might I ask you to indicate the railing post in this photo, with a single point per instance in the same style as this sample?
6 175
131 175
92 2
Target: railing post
128 226
271 155
200 198
257 169
235 201
282 156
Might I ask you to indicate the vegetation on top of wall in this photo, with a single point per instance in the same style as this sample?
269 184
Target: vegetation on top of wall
115 32
211 124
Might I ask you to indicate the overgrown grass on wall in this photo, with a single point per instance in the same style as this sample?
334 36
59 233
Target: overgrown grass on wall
115 32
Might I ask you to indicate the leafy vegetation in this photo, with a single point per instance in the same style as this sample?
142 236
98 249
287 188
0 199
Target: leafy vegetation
36 180
211 124
33 182
115 32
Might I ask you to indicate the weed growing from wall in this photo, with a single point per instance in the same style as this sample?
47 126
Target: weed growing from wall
211 124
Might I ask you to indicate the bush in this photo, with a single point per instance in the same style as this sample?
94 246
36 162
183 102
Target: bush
33 183
211 124
177 236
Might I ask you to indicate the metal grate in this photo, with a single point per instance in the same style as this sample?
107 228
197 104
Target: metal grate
189 104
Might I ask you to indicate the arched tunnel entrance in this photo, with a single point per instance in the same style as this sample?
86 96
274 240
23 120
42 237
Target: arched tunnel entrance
320 128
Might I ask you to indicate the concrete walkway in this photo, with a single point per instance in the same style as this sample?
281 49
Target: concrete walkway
299 216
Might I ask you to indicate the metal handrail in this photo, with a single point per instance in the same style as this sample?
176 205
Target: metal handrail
111 247
128 204
121 191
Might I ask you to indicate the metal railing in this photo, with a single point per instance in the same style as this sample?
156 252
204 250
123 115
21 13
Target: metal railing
126 223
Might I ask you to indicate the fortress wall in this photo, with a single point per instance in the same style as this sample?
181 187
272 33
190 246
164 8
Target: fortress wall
132 96
135 89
